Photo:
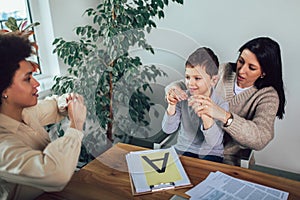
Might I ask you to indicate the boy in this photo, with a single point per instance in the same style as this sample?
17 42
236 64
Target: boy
199 135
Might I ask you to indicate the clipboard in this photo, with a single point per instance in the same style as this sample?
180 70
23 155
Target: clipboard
156 170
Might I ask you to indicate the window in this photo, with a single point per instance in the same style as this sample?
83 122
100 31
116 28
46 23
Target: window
13 8
19 10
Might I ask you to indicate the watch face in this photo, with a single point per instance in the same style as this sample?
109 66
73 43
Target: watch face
229 121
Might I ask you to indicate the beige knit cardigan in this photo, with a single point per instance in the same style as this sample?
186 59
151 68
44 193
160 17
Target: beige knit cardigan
254 112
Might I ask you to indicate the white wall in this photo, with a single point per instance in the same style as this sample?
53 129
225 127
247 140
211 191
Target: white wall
58 18
223 25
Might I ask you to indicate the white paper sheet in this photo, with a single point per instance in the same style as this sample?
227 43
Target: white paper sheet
220 186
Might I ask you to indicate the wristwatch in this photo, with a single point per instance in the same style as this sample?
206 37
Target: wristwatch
229 121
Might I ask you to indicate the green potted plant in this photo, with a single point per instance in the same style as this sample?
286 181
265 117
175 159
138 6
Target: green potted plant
102 69
22 29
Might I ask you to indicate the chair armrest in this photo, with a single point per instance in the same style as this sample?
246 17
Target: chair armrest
246 158
156 141
159 144
242 158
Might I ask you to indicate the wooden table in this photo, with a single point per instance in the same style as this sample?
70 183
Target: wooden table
107 177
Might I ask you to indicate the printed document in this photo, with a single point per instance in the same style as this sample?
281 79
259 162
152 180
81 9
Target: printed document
220 186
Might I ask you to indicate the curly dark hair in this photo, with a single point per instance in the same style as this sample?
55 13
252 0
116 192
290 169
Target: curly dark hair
13 49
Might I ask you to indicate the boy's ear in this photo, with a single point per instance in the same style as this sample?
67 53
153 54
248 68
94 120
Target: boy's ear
214 80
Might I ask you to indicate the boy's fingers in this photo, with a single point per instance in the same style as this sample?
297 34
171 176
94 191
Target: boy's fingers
180 94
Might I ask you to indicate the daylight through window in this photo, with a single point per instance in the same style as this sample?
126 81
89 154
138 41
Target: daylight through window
19 10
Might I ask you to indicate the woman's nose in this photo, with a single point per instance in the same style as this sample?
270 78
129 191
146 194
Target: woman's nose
35 83
242 68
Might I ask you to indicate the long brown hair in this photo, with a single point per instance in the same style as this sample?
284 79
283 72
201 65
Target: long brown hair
267 52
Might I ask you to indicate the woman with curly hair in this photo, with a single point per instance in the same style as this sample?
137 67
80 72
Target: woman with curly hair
29 162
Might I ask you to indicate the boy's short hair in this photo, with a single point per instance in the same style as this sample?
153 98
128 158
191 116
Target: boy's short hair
204 57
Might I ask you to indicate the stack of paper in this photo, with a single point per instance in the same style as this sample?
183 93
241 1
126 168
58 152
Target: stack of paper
153 170
221 186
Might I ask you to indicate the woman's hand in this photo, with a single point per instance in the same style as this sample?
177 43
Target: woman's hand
203 105
76 111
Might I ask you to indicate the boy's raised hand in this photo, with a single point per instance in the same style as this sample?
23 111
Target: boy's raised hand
175 94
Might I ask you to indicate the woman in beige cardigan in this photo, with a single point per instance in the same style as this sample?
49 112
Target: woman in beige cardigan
253 87
29 162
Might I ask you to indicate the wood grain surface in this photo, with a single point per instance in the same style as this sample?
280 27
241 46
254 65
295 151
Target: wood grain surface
107 177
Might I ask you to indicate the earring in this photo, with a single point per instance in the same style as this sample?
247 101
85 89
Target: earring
5 96
263 75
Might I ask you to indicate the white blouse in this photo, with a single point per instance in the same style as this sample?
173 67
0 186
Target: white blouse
238 90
